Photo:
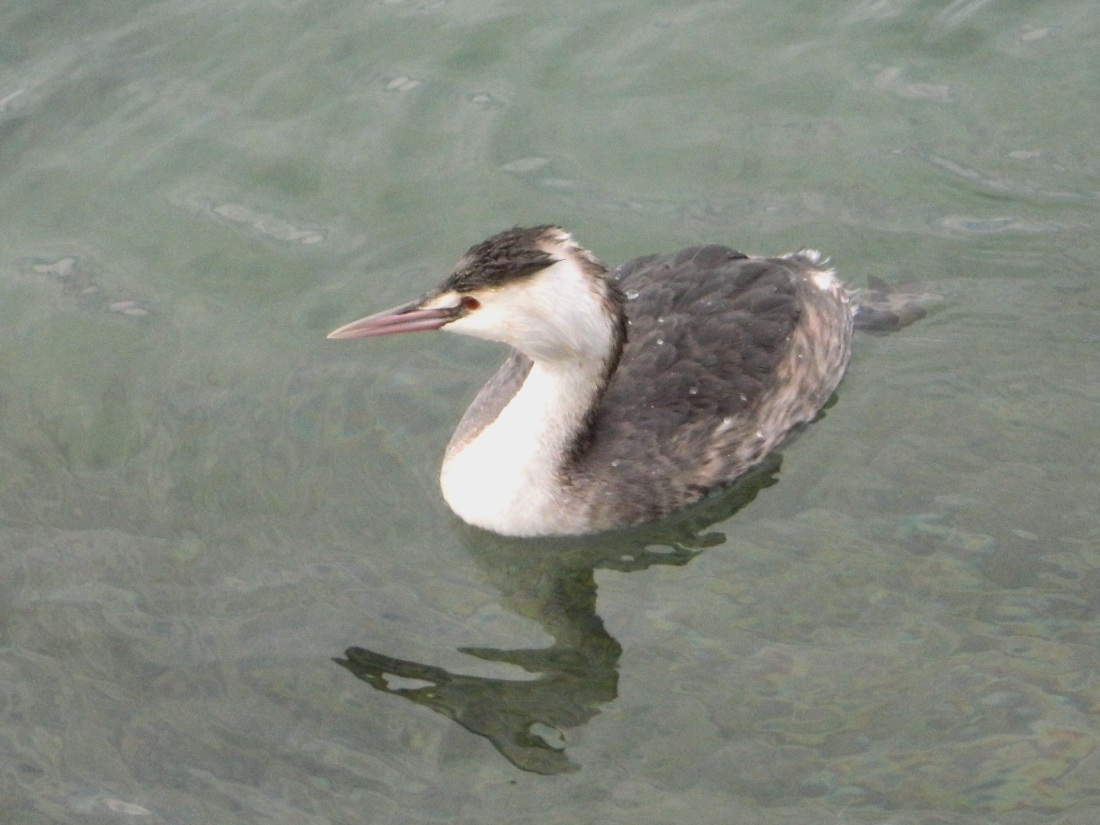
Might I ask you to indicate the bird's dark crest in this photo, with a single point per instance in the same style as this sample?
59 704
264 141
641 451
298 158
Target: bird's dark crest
507 256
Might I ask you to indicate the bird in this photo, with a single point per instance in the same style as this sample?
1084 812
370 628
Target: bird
629 393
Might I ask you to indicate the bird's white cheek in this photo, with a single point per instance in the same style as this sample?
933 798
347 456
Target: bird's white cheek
481 324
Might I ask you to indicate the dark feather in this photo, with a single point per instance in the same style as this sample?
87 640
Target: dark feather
505 257
711 334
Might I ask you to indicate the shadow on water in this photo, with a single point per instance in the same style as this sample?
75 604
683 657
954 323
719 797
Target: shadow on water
552 582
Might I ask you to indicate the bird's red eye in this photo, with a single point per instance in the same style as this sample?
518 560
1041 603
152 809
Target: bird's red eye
470 303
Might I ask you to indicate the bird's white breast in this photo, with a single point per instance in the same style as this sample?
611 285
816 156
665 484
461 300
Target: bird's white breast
508 478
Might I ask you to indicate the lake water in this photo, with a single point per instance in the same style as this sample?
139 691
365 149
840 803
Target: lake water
203 502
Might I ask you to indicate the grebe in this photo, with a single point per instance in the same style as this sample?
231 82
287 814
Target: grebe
628 394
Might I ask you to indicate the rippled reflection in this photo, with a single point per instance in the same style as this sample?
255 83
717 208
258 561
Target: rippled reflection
554 584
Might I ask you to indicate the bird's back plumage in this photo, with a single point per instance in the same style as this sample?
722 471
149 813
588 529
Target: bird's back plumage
716 342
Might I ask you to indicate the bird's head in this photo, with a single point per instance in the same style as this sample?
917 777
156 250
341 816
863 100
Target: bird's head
533 288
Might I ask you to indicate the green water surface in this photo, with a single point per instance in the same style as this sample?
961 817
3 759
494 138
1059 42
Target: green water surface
203 502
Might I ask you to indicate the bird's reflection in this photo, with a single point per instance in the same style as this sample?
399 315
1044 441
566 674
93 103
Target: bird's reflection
552 582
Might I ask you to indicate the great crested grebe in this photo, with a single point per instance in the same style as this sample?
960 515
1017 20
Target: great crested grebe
632 393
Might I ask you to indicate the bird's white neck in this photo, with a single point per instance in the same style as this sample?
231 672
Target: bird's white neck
511 477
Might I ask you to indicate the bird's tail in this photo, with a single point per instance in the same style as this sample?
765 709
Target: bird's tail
883 307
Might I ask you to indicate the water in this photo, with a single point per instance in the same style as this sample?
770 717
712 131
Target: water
203 501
